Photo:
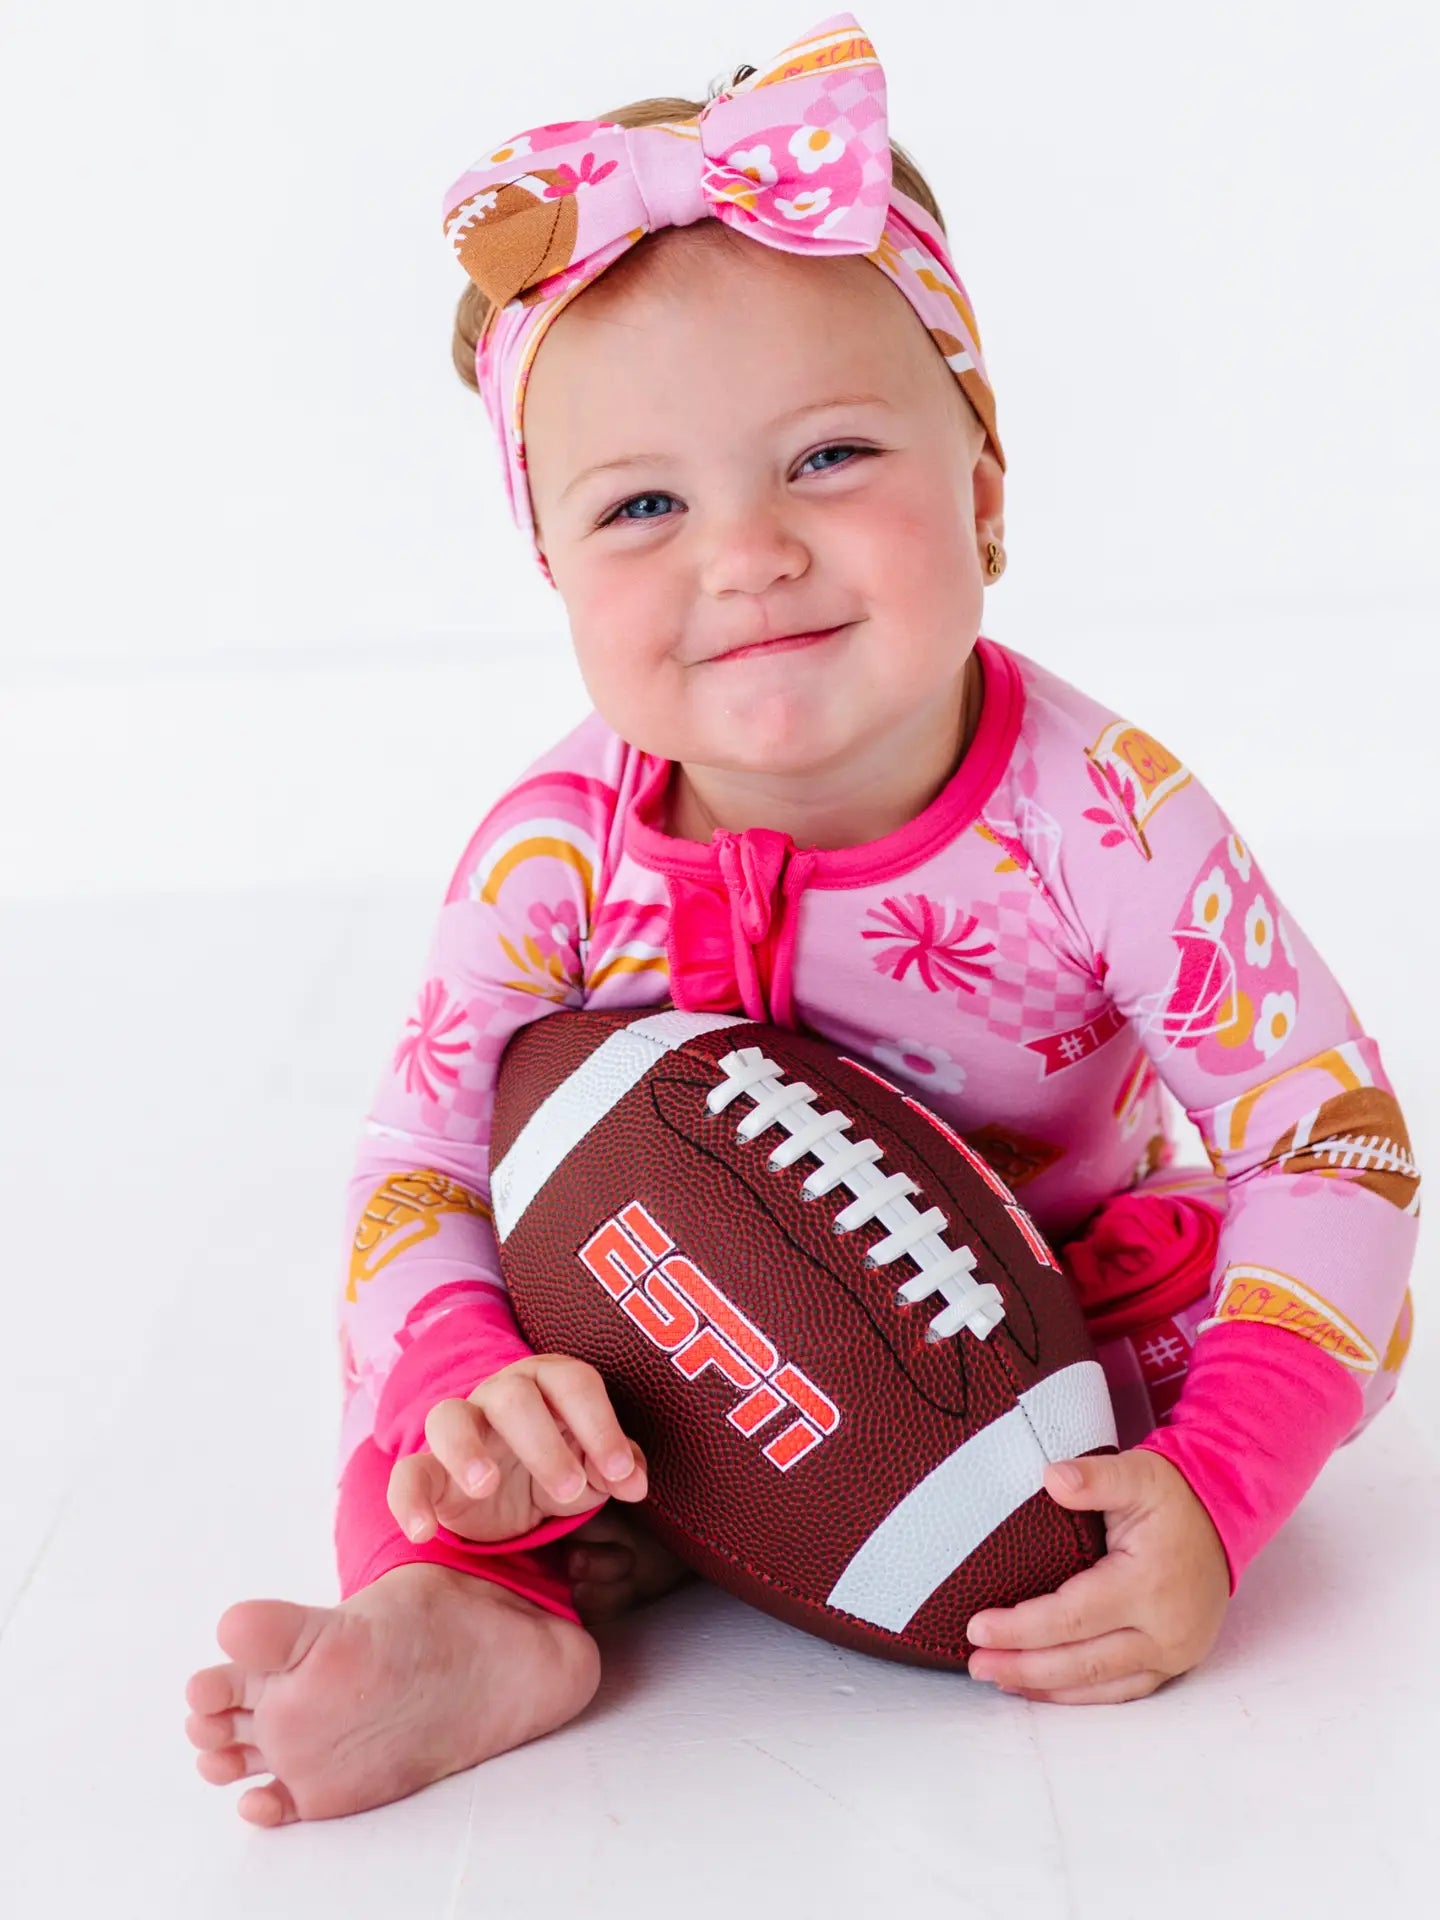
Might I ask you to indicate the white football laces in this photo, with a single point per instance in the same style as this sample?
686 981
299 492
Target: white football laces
949 1271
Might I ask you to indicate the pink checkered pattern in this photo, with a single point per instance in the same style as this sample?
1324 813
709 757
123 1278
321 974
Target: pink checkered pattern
1029 991
852 106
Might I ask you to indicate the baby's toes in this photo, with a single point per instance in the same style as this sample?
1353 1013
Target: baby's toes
211 1731
229 1764
272 1805
601 1564
215 1689
270 1636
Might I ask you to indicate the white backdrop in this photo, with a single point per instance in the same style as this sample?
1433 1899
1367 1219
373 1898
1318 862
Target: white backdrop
255 524
252 528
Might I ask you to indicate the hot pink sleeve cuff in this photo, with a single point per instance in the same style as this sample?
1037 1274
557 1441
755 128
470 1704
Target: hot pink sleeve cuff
1260 1413
447 1360
368 1542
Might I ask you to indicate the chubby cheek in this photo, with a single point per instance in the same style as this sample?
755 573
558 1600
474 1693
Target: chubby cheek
917 558
635 685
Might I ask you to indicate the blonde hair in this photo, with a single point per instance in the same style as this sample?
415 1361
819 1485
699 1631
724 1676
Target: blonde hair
474 308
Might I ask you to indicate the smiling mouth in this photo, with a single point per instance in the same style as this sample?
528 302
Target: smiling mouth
790 643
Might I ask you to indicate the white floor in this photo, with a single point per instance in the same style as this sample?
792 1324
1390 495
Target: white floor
185 1076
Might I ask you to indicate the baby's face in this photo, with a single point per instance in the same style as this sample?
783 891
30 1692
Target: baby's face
737 523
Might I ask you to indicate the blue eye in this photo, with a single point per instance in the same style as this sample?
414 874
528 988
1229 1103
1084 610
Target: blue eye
620 512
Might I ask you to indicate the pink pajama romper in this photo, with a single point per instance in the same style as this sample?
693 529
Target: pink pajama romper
1070 926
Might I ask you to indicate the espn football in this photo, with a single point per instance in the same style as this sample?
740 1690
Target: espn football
844 1346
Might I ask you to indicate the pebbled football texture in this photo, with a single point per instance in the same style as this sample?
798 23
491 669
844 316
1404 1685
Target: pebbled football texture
809 1448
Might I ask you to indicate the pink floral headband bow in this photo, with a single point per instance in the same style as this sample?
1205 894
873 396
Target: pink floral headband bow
796 155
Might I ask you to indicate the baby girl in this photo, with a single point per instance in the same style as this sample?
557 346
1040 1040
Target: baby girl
745 420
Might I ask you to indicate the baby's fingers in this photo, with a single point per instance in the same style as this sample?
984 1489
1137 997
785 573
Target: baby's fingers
1103 1599
417 1486
526 1415
576 1392
459 1436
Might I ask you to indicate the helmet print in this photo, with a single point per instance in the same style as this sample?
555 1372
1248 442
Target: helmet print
1234 995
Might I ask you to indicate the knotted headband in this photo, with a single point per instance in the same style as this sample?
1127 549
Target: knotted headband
796 155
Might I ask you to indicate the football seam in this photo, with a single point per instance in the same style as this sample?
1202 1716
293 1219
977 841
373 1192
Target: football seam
850 1098
845 1097
948 1412
839 1093
1074 1519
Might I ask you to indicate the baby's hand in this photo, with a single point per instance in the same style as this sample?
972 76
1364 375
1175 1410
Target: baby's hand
502 1461
1150 1610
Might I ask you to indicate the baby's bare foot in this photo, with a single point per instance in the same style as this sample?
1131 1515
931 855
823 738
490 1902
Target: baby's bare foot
615 1563
421 1674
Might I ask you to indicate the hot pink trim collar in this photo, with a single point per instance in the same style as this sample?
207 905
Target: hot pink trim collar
958 802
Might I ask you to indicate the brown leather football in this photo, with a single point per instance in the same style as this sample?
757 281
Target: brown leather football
844 1346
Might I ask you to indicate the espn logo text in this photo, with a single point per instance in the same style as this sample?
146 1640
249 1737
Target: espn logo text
683 1313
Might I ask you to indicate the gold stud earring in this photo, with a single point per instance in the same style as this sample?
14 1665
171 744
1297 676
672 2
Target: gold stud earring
995 559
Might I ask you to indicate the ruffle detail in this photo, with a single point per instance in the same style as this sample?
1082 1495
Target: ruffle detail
1141 1258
